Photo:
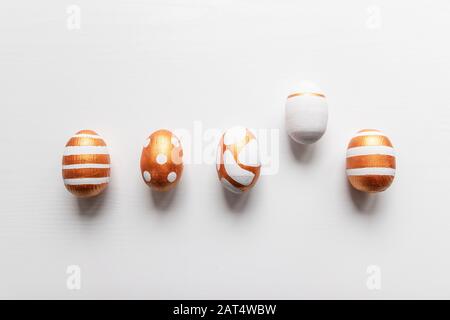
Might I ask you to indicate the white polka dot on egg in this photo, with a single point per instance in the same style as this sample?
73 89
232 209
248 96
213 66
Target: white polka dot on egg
146 143
175 141
147 176
171 177
161 158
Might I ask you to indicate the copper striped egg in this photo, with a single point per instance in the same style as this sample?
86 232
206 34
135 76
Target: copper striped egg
86 164
238 164
162 160
370 161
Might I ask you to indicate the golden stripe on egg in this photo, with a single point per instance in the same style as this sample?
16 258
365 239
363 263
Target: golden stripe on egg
306 94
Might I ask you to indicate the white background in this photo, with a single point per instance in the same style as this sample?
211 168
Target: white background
137 66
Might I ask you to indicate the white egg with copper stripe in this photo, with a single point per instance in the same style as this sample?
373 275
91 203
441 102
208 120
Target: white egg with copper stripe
371 161
86 164
306 113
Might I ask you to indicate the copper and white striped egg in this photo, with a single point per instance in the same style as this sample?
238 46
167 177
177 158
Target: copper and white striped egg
162 160
238 163
86 164
370 161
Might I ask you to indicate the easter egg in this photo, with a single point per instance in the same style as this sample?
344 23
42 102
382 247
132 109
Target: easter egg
238 164
162 160
370 161
306 114
86 164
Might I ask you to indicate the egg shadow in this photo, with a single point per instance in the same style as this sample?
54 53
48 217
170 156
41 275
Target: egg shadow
163 200
303 153
364 202
92 207
236 202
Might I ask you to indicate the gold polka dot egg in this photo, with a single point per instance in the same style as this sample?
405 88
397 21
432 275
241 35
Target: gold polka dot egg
86 164
238 164
371 161
162 160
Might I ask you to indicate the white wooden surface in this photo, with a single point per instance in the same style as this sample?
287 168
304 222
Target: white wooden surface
136 66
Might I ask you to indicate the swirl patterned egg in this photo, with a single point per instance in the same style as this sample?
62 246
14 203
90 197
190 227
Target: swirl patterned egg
162 160
238 164
86 164
370 161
